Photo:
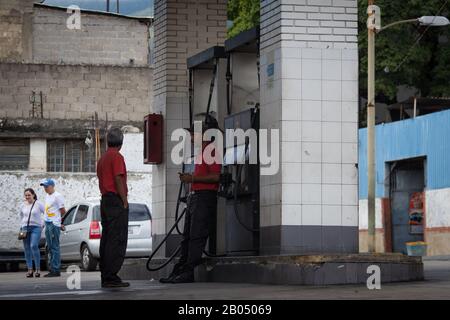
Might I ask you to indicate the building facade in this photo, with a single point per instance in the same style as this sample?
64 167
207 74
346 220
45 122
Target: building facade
58 87
412 184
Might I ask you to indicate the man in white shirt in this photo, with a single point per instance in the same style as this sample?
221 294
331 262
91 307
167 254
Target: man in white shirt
54 210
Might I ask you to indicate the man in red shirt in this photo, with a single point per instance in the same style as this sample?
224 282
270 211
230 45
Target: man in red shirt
112 180
201 209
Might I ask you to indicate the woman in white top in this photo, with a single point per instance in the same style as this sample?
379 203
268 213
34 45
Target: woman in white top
31 213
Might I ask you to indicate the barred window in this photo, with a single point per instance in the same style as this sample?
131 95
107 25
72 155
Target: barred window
70 156
14 154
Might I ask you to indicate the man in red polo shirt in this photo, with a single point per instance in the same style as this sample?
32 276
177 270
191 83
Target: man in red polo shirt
202 207
112 180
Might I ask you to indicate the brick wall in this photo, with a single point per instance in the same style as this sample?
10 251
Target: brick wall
331 23
15 18
103 39
182 29
76 92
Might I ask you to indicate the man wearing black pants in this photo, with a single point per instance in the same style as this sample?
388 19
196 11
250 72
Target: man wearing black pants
112 178
201 210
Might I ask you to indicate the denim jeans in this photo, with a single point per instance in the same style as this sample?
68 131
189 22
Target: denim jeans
52 234
31 246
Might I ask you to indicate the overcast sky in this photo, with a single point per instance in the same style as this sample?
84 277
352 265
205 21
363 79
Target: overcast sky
128 7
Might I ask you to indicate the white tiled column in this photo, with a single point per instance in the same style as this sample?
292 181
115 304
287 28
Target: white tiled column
312 97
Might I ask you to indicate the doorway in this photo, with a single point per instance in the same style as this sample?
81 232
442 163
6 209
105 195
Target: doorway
406 194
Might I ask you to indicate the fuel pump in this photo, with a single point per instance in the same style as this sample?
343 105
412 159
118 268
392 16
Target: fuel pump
242 204
204 71
225 80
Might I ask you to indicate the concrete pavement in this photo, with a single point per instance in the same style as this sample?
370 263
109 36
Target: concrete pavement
16 286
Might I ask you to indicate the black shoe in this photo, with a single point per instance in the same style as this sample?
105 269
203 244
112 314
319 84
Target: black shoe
52 275
168 279
120 284
186 277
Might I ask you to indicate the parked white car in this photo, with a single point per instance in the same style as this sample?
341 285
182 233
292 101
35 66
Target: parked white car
81 239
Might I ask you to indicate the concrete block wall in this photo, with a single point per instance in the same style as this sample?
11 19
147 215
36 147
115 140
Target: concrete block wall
182 29
312 98
15 29
76 92
102 39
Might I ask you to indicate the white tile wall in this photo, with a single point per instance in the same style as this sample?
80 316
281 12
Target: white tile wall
331 111
312 90
292 172
332 194
311 152
319 111
331 152
331 70
311 69
331 132
331 215
291 215
311 193
311 110
350 216
291 193
332 90
311 215
332 173
311 172
311 131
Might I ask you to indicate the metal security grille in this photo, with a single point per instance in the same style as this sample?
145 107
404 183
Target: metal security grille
14 154
70 156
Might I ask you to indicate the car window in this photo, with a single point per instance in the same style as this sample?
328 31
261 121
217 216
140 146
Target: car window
68 217
96 213
82 213
138 212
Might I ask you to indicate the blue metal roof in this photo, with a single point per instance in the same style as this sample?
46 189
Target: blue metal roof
427 135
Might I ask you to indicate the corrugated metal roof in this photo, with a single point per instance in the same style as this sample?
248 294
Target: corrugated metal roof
427 136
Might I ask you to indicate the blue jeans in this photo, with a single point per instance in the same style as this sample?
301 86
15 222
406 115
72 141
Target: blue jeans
31 246
52 233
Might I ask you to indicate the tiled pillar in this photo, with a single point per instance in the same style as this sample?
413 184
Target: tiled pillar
309 91
182 28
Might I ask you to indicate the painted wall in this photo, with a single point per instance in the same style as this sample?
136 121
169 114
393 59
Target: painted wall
423 136
73 186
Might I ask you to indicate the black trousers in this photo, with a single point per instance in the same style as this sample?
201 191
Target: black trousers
199 218
113 243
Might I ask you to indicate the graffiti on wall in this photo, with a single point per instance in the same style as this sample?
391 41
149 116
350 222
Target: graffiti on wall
416 212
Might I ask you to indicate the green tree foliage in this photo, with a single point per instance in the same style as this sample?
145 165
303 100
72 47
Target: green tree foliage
425 66
244 14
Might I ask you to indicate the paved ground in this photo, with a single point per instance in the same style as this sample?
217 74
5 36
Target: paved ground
16 286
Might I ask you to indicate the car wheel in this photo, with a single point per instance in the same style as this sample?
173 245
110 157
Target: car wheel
88 262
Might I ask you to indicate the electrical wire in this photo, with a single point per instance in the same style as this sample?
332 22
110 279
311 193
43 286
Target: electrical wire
416 42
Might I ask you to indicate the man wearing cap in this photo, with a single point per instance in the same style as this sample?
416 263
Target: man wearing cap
112 180
54 210
201 209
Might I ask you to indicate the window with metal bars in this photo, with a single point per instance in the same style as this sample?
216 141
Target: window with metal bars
14 154
70 156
